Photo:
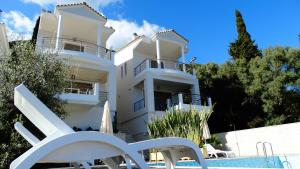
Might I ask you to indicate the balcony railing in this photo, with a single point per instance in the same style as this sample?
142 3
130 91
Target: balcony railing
103 97
139 105
152 63
79 91
77 46
184 98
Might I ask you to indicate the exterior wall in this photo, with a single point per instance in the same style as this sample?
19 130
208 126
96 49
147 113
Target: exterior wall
3 39
284 139
82 116
81 27
132 88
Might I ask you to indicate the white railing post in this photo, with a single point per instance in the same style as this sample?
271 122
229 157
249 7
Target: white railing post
59 30
168 103
99 40
180 101
183 58
147 63
96 89
158 53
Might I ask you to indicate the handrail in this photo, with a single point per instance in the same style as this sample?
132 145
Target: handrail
265 150
78 40
83 46
164 64
194 99
139 104
257 152
138 69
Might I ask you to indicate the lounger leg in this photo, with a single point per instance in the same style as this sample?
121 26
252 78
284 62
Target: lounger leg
128 164
170 160
76 165
86 165
111 163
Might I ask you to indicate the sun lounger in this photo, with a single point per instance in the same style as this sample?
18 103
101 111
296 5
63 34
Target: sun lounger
212 152
63 144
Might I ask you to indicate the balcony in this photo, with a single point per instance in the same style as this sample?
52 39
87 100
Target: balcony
162 64
76 46
83 92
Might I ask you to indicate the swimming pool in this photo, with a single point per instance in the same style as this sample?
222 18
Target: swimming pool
250 162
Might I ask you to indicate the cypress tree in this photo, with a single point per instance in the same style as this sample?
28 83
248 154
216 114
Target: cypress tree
244 47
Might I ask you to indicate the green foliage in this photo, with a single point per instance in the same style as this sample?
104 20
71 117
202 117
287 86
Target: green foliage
270 97
178 123
44 74
221 83
243 47
215 141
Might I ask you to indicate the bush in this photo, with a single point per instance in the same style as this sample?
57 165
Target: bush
178 123
44 74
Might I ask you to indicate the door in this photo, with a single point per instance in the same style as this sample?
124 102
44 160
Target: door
160 99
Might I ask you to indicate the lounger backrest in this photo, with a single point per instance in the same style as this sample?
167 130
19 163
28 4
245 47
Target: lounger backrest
38 113
210 148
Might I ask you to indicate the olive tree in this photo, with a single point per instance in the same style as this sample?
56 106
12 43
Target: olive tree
44 74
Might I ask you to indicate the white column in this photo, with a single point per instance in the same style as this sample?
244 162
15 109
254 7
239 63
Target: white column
148 64
183 58
158 53
59 31
112 89
149 94
180 101
96 89
99 39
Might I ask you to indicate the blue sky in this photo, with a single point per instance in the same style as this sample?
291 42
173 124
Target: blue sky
209 25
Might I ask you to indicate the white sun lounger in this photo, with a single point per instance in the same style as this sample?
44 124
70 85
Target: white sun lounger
62 144
215 152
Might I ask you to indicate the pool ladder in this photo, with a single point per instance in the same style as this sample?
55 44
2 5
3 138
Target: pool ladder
265 151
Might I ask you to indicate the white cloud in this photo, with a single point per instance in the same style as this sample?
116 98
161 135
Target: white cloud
94 3
125 29
18 25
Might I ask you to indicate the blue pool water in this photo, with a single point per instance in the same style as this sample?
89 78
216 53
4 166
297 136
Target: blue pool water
251 162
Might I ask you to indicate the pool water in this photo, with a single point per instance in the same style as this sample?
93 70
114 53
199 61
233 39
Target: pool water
250 162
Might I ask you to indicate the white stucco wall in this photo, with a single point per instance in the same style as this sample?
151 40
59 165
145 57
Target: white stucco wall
3 39
83 116
285 140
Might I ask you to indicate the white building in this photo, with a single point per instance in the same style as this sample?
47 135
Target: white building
78 34
3 39
152 76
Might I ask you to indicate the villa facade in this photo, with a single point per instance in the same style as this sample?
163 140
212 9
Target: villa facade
78 34
152 76
141 81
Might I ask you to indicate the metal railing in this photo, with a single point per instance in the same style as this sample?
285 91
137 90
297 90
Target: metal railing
79 91
265 151
139 105
194 99
139 68
74 44
103 97
154 63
